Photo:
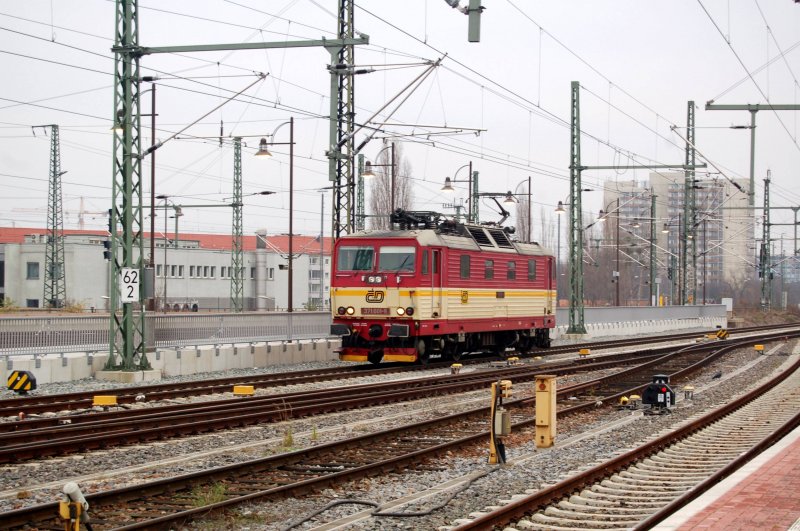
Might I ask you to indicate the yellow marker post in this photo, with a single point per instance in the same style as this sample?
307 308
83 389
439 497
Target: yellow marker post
545 410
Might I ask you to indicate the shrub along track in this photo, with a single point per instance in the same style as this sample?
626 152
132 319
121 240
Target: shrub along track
171 501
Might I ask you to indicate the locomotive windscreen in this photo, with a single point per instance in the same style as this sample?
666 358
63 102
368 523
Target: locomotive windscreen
355 259
396 258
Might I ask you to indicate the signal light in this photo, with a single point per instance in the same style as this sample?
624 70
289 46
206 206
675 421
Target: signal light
350 310
340 310
400 311
409 311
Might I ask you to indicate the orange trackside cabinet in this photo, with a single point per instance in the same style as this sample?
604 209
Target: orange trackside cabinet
545 410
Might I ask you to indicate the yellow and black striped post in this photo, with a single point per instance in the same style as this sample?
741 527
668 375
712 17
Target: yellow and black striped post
21 382
722 334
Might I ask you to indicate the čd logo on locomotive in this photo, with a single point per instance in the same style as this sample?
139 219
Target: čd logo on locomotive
374 296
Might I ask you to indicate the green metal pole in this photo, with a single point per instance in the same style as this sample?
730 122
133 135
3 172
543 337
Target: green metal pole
237 262
653 293
576 322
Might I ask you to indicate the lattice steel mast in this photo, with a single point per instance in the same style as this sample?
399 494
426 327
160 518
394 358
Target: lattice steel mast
237 267
688 253
127 348
576 323
55 289
342 124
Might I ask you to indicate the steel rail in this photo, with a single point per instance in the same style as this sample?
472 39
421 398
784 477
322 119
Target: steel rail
519 508
118 500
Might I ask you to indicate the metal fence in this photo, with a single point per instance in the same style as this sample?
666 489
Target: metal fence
46 335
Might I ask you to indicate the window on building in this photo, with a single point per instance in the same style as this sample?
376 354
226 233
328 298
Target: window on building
158 270
511 274
531 269
464 266
213 271
31 303
173 271
33 274
2 274
252 273
180 271
205 271
191 271
326 261
488 272
223 271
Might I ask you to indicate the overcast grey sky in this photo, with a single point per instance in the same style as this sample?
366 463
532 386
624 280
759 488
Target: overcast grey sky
638 63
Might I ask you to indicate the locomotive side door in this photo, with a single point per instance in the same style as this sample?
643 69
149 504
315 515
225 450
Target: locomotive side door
436 283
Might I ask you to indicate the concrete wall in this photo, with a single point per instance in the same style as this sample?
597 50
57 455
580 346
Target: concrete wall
626 321
177 362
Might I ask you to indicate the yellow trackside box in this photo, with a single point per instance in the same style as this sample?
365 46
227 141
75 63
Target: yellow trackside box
104 400
243 390
545 410
21 382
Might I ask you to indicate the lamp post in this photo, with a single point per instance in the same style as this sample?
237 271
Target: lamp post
615 274
152 215
368 173
448 187
263 152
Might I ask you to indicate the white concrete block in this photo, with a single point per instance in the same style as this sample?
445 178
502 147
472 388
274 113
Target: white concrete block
260 355
244 351
203 360
231 361
171 361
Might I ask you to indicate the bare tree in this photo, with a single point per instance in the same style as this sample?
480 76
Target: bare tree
380 198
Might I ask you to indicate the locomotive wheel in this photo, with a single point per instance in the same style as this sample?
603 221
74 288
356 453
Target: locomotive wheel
423 356
375 357
451 351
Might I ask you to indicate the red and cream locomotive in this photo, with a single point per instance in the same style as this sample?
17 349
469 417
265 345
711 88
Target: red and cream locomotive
442 288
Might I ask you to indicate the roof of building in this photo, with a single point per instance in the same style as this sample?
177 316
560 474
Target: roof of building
278 243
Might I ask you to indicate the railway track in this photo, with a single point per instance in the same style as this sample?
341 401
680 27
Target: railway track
642 487
35 404
42 437
171 501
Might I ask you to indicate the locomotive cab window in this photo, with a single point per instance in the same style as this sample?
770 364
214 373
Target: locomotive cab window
355 259
396 259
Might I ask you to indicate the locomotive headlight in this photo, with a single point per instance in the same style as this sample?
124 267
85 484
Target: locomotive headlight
340 310
401 311
409 311
350 310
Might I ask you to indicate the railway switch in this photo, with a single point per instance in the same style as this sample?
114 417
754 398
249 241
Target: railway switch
243 390
545 410
659 395
500 422
21 382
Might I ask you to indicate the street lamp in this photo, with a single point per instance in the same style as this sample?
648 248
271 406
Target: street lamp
369 173
448 187
263 152
165 198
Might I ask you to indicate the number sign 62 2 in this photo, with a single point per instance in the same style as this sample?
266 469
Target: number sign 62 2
129 284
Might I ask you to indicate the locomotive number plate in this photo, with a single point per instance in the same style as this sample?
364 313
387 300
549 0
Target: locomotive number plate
374 311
